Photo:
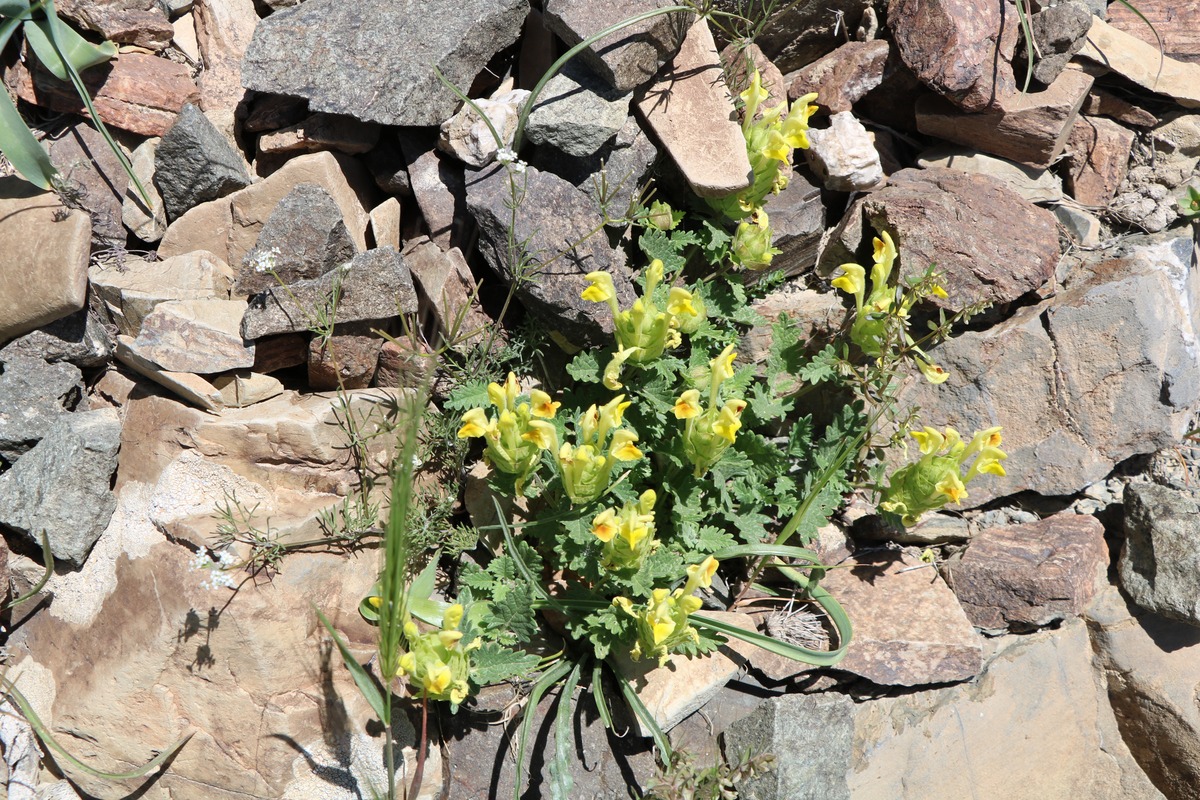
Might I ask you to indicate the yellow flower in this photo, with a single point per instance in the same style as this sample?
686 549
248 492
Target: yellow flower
601 289
853 280
475 423
932 372
612 372
952 486
729 420
753 97
680 301
929 440
937 291
604 525
625 604
722 365
701 574
542 434
542 405
622 447
437 679
688 405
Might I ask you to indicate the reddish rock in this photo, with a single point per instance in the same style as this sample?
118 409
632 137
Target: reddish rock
962 49
273 353
135 92
447 291
1176 21
1028 576
738 62
437 183
322 132
346 361
1114 50
1029 128
843 77
1102 103
140 22
1012 249
224 29
1098 161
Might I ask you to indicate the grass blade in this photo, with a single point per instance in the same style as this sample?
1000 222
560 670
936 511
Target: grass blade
598 695
48 559
17 143
647 719
362 679
560 768
548 679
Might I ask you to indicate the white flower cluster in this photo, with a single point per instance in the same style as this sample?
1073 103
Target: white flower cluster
265 261
508 157
219 573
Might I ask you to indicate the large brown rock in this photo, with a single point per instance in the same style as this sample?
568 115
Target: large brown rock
137 22
132 289
201 336
1129 56
1099 160
1176 21
843 77
959 48
796 34
224 29
1012 248
94 179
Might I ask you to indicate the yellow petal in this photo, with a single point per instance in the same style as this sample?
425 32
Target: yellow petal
688 405
601 289
952 487
932 372
475 423
680 302
542 405
604 526
542 434
929 440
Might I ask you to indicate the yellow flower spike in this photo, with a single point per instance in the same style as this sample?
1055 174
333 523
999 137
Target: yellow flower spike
688 405
647 500
438 679
622 446
542 434
929 440
654 276
753 97
795 126
634 536
604 526
932 372
679 302
511 389
601 289
776 147
702 574
541 404
853 280
952 487
475 423
885 257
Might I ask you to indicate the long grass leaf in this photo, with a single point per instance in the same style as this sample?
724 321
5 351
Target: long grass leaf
362 679
598 695
48 739
48 560
548 679
17 143
647 719
560 768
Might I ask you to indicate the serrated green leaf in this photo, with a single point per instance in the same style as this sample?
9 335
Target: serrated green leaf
584 368
471 393
493 663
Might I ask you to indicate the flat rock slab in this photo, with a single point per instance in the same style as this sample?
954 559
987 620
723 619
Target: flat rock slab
200 336
1030 128
843 77
93 176
1035 185
191 387
558 234
135 92
577 112
55 246
1161 555
316 51
80 339
909 629
138 22
690 111
61 486
1028 576
33 394
959 48
1176 21
374 285
1099 160
629 57
1012 249
1138 61
132 289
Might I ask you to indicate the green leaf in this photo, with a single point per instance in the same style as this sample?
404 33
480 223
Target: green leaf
469 394
16 142
548 679
584 367
560 767
48 560
493 663
822 367
63 49
362 679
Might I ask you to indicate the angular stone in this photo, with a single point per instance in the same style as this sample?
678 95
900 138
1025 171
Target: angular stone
631 56
1179 134
94 178
1059 32
1152 669
843 77
469 139
796 35
321 132
817 315
689 109
1102 103
1060 377
223 32
273 353
229 227
1081 226
615 174
740 60
194 164
136 92
557 236
132 290
33 395
55 246
148 224
385 224
184 37
1177 22
1035 185
437 183
61 486
577 113
1013 248
1099 160
243 389
1037 724
200 336
1160 555
960 49
1029 576
374 285
190 387
1138 61
271 112
80 339
344 361
304 238
909 629
844 155
137 22
818 725
1030 128
446 283
388 168
396 85
798 223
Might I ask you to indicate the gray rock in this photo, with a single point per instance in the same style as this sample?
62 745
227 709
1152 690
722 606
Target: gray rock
197 336
797 34
33 394
1081 226
614 174
557 230
1161 556
373 285
1035 185
1059 32
1062 377
577 113
62 486
315 51
305 237
80 339
94 179
194 163
844 155
138 22
146 223
798 223
467 137
630 57
1028 576
1012 249
436 181
812 737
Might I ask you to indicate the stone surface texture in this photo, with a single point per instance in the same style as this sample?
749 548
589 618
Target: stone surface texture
577 113
1059 32
137 22
1035 185
843 77
321 132
1138 61
95 180
395 85
147 223
1099 160
194 163
131 289
1029 576
469 139
33 395
201 336
444 279
80 339
1161 554
844 155
1176 21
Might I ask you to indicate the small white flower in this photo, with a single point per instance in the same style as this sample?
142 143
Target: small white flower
226 559
200 560
517 167
506 155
